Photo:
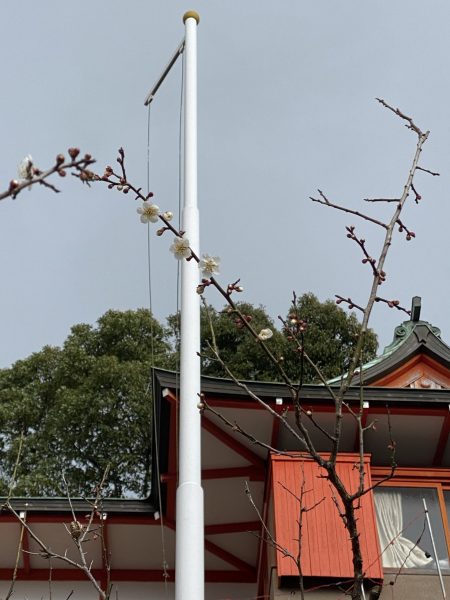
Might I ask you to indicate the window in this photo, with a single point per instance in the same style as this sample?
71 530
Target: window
403 529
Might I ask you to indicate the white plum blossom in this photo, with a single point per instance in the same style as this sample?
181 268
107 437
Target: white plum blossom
180 248
149 212
24 168
209 265
168 215
265 334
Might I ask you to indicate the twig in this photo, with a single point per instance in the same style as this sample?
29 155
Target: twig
402 228
417 195
79 166
381 199
428 171
349 301
393 304
399 113
362 244
46 552
326 202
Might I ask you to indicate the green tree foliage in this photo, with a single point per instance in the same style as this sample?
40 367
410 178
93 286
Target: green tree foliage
329 339
87 405
237 348
82 407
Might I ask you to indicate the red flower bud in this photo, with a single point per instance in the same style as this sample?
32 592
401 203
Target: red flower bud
73 153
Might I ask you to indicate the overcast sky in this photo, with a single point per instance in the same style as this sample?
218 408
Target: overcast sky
286 106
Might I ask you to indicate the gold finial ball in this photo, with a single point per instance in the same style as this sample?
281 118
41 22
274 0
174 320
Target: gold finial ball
191 14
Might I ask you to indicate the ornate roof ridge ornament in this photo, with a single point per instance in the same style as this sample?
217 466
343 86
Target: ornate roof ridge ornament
414 323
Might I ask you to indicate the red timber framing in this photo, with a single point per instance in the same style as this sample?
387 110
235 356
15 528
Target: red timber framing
254 471
245 572
419 368
426 372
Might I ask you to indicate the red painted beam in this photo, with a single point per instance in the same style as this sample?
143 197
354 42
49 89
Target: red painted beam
233 443
137 520
275 432
262 567
226 556
125 519
230 576
26 551
319 407
442 442
172 461
232 527
132 575
250 472
217 528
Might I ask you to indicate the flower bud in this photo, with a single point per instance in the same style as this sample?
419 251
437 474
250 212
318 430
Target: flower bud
61 173
60 159
73 153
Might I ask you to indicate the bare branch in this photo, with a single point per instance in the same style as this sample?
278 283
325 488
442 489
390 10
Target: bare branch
402 228
349 301
418 197
78 167
326 202
367 258
399 113
393 304
381 199
428 171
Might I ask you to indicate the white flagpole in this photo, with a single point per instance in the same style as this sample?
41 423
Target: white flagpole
189 559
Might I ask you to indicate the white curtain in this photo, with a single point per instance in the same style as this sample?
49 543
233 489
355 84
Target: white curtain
400 551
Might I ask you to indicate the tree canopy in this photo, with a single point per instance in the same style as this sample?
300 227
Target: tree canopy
329 340
87 406
83 407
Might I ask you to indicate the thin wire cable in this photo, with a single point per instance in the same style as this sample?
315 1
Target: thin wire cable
152 352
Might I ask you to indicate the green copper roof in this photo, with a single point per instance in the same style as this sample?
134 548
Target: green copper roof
408 337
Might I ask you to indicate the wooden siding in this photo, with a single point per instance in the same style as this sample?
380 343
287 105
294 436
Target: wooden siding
420 372
326 549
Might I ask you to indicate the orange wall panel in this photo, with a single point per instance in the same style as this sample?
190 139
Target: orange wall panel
325 546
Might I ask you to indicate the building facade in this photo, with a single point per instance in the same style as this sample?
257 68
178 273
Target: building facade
254 472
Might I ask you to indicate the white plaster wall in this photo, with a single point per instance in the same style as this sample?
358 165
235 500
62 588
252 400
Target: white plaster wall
31 590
